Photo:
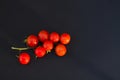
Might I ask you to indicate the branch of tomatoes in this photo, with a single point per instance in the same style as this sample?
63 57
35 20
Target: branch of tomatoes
48 41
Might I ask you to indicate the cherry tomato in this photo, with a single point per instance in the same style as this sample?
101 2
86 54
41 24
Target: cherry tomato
32 41
54 36
60 50
24 58
65 38
48 45
40 51
43 35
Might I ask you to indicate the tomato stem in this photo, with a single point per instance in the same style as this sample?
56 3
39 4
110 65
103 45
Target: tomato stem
17 56
20 49
25 41
35 56
48 51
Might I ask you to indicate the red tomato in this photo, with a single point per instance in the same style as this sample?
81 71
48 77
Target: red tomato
48 45
24 58
40 51
32 41
60 50
43 35
65 38
54 36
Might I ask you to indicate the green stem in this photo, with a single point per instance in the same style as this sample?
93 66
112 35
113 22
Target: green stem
25 41
48 51
17 56
20 49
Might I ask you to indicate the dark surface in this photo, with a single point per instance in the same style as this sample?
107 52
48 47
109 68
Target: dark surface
93 53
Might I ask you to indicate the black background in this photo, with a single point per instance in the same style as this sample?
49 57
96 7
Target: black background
93 53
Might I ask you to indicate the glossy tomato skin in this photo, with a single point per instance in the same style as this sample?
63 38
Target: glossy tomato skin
40 51
32 41
24 58
48 45
60 50
65 38
43 35
54 36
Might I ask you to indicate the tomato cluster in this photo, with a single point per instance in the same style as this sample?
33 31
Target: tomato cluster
49 42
